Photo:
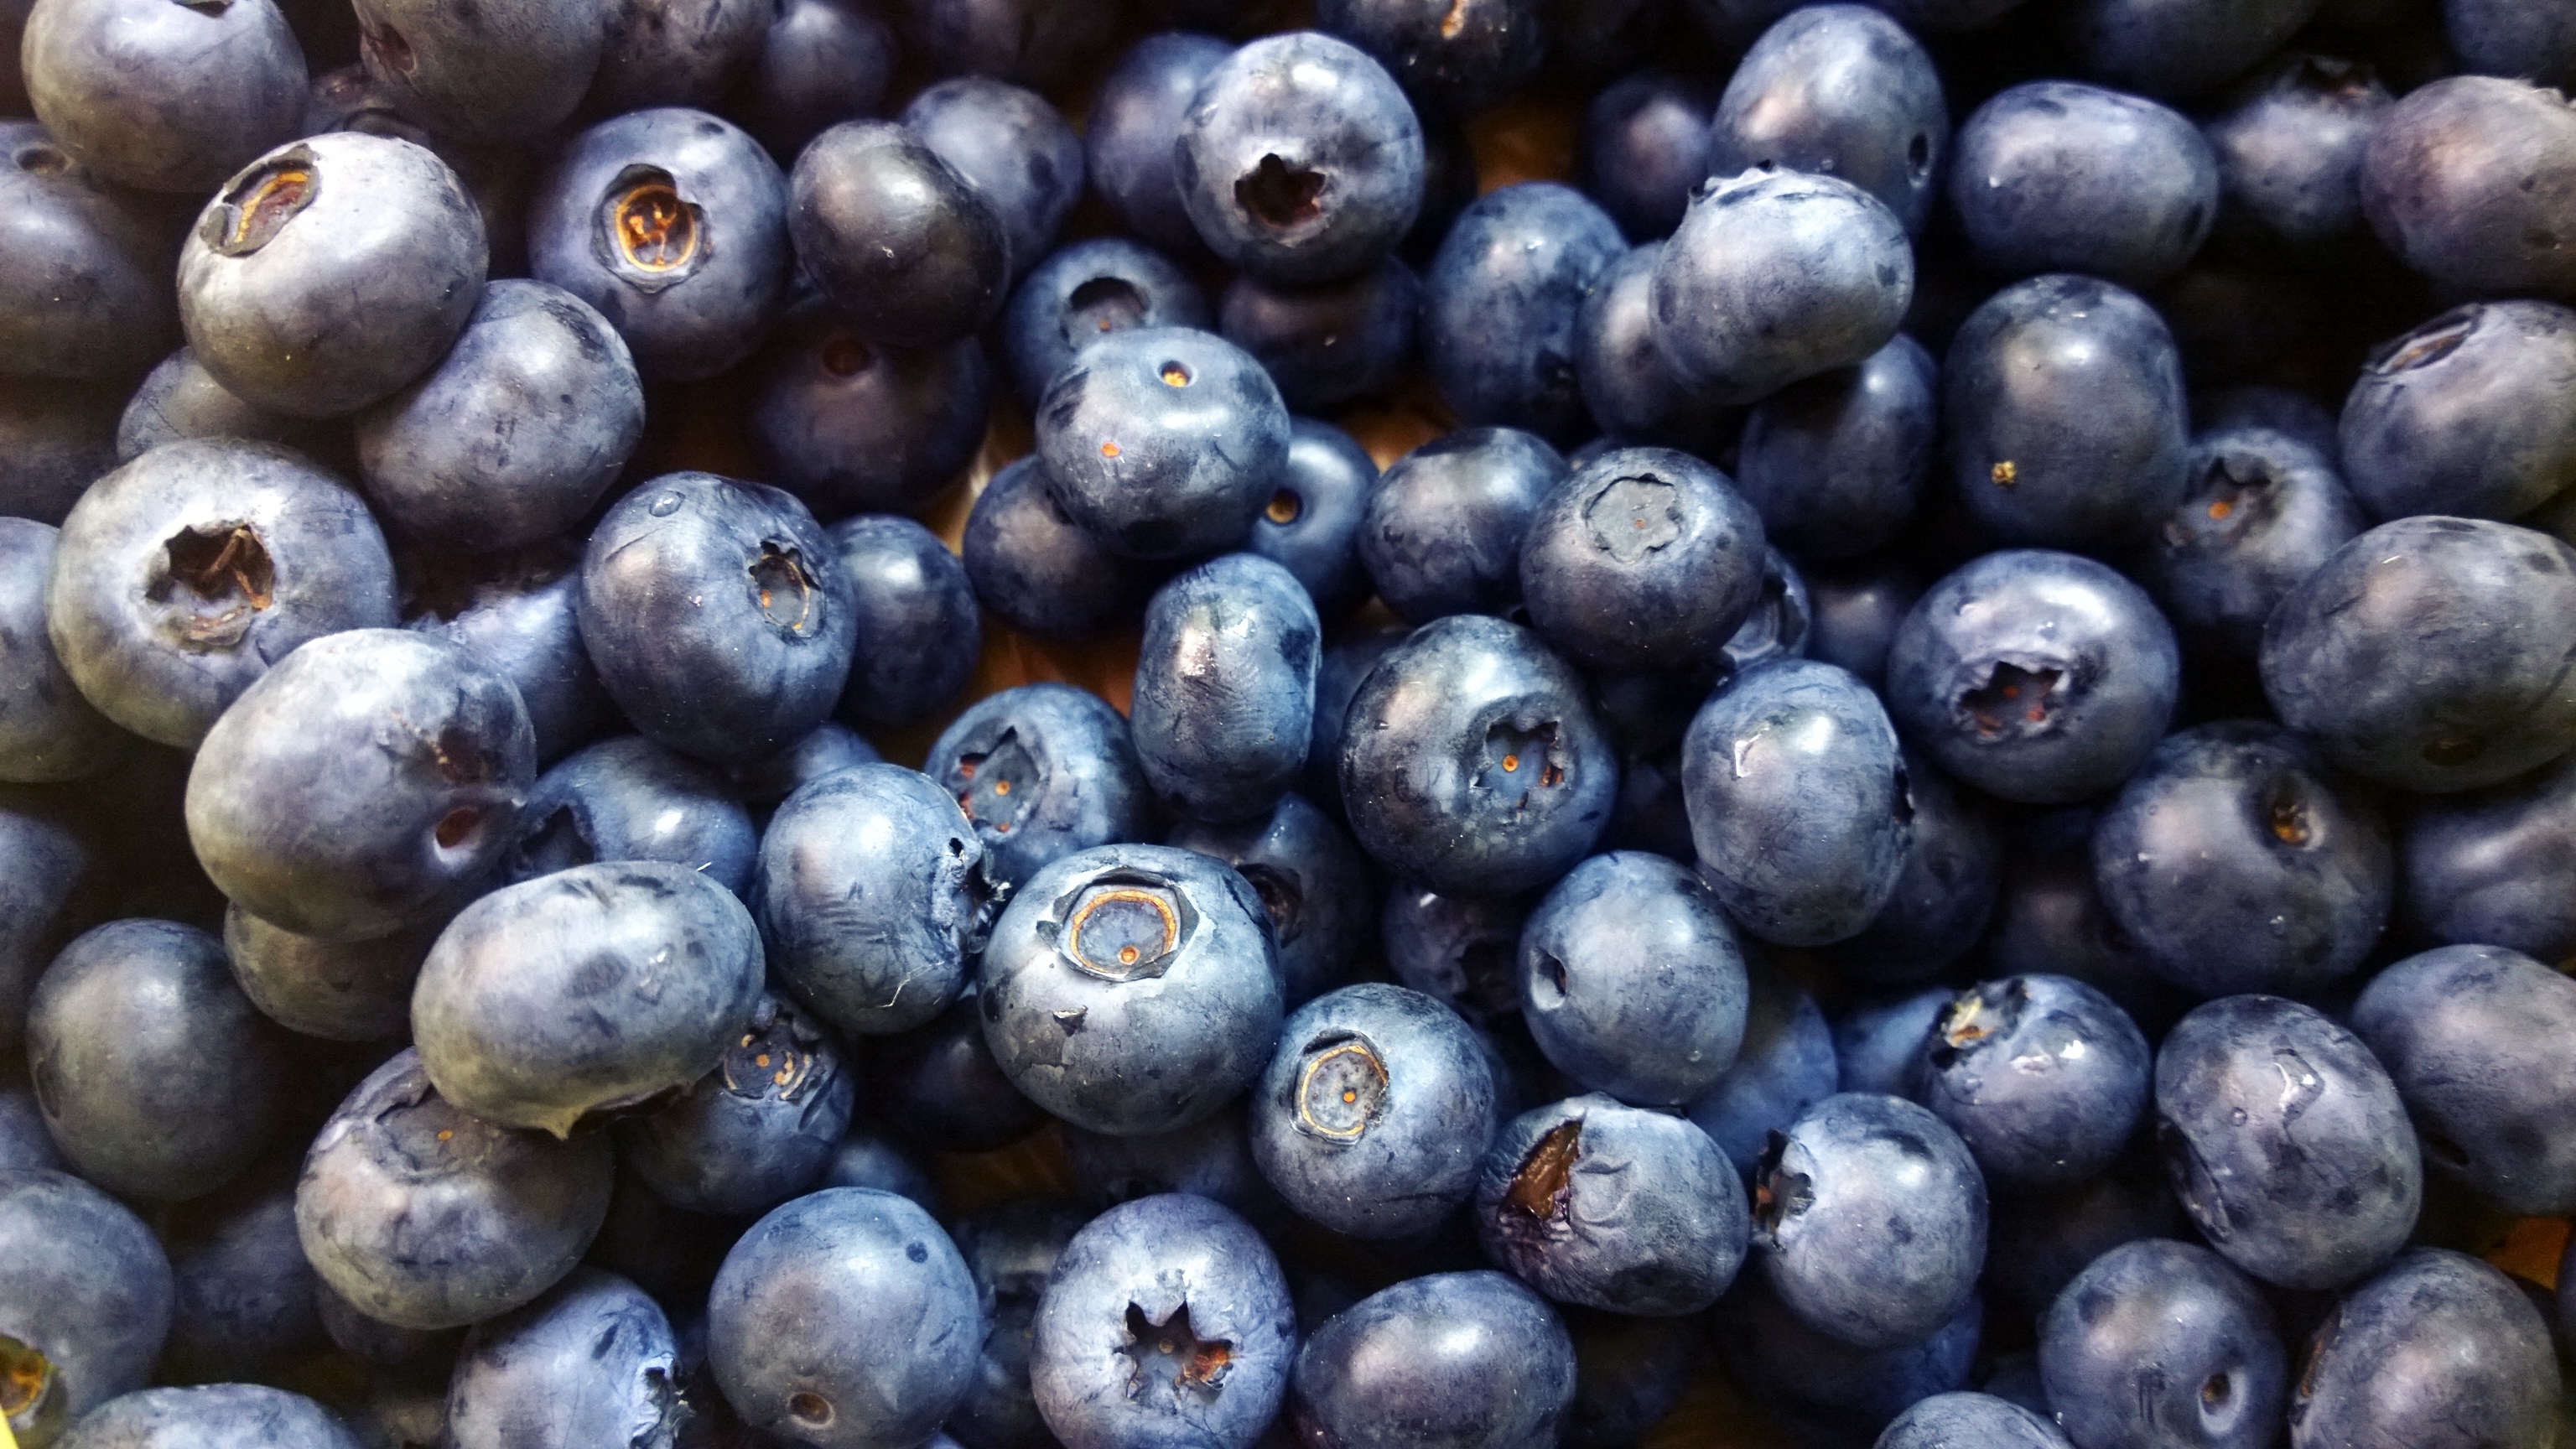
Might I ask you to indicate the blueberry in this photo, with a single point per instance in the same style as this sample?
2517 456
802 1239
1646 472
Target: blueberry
2035 676
2059 176
85 289
130 1032
179 399
1629 1373
1035 568
1612 1207
1645 558
2266 405
521 620
490 75
1011 1248
423 1216
395 1354
211 1416
717 614
1316 889
2043 1077
297 295
1299 160
1225 688
1835 465
1785 1065
179 577
1461 949
1828 1392
1038 43
1210 1158
2474 608
1854 610
1327 343
2178 50
1162 441
365 784
1503 301
1444 526
2495 39
849 426
907 247
1042 771
2286 1142
890 1322
919 631
866 1158
2037 1243
1009 144
1166 1323
868 896
1127 137
2469 180
821 62
1311 524
758 1130
1945 891
2049 916
1080 293
1645 145
2463 1032
2438 1350
673 224
1472 760
514 436
630 799
2457 417
1346 662
1131 989
52 879
674 52
1632 981
1957 1418
163 97
2289 143
356 991
2494 865
2238 861
2261 510
59 436
1447 1358
85 1301
591 1362
1838 90
1630 390
1879 1042
1869 1217
24 1144
244 1307
48 732
1373 1115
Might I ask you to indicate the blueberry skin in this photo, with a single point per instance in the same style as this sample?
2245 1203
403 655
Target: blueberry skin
1316 889
2286 1141
1043 44
1785 1065
524 625
2464 1033
2473 609
2466 415
1460 949
673 225
1166 1323
365 784
1838 90
1632 981
1644 146
717 614
2059 176
918 627
764 784
1879 1043
488 76
1444 526
2495 866
821 62
331 272
1224 698
1035 568
2043 1077
867 897
1629 1373
2238 861
2068 428
1127 1046
630 799
1472 760
1447 1358
2037 1243
163 98
2438 1351
355 991
2468 180
1612 1207
516 433
1299 160
179 399
1127 136
1871 1220
674 52
1827 1391
2260 511
1085 290
1346 663
52 884
1836 464
85 289
1796 795
24 1144
2173 50
889 1322
1210 1158
2289 142
1945 892
1311 525
211 1416
1330 342
2494 39
84 1284
48 732
849 426
1646 558
1502 306
1163 442
59 437
1373 1114
424 1216
908 248
590 1363
1854 609
1453 62
1042 771
244 1306
1011 1248
179 577
759 1129
1963 1420
1009 144
1972 653
864 1158
1631 391
400 1355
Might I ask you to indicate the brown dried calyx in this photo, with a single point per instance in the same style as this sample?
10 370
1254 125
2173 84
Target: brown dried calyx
221 576
1279 194
1546 1178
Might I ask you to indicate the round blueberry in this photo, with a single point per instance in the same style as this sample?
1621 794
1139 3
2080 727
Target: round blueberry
1328 343
1646 558
1785 1065
1612 1207
2496 866
356 991
180 399
675 52
822 62
52 884
847 425
1632 981
1316 889
1008 143
1036 569
919 632
1127 136
2464 1032
1225 687
1012 1248
903 244
491 75
1645 145
1209 1158
939 1086
1085 291
166 97
1944 893
2438 1350
2468 180
591 1362
1311 525
1458 948
211 1416
1835 465
2289 142
1444 526
1829 1391
2059 176
2261 510
1870 1218
2462 417
1456 1358
2043 1077
630 799
1162 441
1042 771
521 620
1964 1418
759 1129
1633 394
1502 306
245 1306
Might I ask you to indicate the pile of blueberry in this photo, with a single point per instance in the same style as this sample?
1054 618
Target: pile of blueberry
1933 804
